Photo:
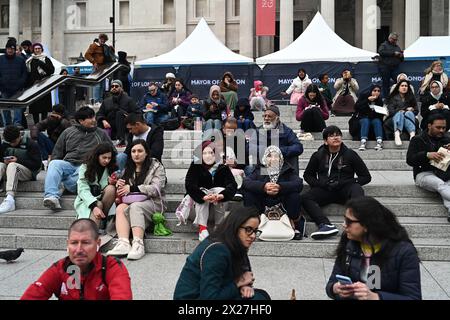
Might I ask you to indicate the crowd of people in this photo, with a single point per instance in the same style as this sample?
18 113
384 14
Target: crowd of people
119 194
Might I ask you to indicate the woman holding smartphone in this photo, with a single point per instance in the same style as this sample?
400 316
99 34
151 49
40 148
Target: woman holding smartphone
375 252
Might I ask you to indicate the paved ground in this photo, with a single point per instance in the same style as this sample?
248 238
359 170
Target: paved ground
154 277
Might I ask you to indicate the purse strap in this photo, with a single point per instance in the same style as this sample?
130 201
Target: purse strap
160 199
203 254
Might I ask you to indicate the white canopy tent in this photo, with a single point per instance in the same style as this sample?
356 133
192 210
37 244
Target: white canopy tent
428 48
201 47
317 43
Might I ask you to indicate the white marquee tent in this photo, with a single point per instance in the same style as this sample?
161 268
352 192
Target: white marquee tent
201 47
428 48
317 43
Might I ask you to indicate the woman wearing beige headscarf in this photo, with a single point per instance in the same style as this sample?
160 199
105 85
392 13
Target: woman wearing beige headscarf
434 72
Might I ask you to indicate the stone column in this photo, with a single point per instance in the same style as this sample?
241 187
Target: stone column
46 28
369 25
180 21
437 19
286 23
398 20
358 24
60 24
247 29
327 10
14 19
412 21
27 18
220 25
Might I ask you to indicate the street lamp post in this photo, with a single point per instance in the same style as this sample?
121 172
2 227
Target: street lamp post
113 21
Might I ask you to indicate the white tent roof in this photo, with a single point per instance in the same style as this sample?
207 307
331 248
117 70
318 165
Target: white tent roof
317 43
429 47
201 47
57 64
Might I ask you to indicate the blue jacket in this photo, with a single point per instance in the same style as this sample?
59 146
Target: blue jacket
400 272
197 112
160 98
13 75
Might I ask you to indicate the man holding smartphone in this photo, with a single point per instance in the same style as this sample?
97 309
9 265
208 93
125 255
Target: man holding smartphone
20 161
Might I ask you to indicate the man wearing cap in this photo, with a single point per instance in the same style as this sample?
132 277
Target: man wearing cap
20 160
169 84
155 106
274 132
113 111
13 76
55 124
391 56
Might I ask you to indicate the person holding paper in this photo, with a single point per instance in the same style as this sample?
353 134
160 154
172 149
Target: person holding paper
435 101
370 110
424 150
402 106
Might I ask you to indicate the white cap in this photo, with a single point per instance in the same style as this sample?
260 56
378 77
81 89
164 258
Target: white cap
170 75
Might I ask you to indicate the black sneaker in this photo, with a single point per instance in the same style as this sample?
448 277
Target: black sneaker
325 231
298 235
238 197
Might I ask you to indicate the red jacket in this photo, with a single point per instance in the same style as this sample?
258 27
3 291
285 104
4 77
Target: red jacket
55 281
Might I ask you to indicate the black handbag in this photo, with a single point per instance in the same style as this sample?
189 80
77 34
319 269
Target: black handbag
171 124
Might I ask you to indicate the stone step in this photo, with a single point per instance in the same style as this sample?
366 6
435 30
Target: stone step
379 165
27 189
31 214
185 243
368 154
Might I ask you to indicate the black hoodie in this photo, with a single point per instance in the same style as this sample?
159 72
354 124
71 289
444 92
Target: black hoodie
246 114
343 168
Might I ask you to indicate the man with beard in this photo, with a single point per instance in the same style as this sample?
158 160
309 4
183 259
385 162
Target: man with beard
113 111
26 49
274 132
84 274
423 154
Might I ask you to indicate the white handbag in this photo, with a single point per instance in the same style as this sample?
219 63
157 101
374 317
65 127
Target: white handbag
275 225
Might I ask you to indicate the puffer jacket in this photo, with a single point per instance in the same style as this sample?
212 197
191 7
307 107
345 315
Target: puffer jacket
13 75
299 85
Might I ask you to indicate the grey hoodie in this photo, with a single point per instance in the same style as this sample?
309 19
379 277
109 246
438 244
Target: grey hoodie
76 142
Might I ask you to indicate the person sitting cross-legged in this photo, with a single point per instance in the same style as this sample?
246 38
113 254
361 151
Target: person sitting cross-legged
331 175
20 161
69 153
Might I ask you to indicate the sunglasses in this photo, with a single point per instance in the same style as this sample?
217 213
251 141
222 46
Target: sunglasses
115 86
249 231
348 221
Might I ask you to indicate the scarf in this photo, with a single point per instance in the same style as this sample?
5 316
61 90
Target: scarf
40 57
273 171
441 89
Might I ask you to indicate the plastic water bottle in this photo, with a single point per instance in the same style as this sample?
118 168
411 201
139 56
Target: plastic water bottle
198 124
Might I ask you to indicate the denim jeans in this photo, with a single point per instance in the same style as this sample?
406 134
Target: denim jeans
212 124
60 171
245 124
153 118
377 128
401 123
99 91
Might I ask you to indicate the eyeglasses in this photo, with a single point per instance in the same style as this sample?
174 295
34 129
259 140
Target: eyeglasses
115 86
349 221
249 231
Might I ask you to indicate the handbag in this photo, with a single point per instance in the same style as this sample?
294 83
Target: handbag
183 210
134 197
275 225
171 124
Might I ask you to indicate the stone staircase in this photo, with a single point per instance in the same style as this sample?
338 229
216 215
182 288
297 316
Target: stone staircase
31 226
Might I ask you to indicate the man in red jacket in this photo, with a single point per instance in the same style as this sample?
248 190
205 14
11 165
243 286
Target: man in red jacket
85 274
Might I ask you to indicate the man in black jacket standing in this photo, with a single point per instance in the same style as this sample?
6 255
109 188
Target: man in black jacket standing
139 129
331 176
424 149
114 110
391 55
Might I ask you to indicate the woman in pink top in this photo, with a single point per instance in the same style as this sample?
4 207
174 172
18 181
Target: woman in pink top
312 110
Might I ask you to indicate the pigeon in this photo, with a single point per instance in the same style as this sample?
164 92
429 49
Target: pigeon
11 255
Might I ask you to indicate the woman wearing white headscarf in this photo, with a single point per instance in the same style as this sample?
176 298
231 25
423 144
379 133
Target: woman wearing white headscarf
435 101
272 183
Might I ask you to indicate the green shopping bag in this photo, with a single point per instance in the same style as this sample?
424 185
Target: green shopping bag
160 228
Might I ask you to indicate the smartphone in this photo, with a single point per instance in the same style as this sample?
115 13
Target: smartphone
7 158
343 279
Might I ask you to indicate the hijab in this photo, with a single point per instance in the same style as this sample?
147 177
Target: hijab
273 171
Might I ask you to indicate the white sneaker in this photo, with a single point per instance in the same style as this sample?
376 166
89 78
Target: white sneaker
137 250
379 145
362 147
412 135
7 206
203 235
398 139
52 203
122 248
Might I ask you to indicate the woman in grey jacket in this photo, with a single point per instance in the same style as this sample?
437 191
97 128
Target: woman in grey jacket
146 176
